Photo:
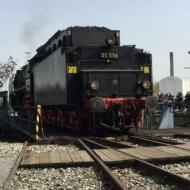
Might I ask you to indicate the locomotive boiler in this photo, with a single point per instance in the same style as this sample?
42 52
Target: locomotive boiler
84 79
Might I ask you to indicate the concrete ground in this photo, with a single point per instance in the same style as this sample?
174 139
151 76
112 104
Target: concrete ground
6 163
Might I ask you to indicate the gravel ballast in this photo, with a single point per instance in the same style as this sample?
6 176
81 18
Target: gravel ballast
181 140
136 180
10 149
51 147
58 179
8 154
182 168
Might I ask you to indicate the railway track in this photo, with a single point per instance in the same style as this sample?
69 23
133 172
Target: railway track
112 178
94 150
153 139
158 141
153 169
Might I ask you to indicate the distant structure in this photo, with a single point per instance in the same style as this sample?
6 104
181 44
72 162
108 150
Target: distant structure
173 84
185 86
171 64
170 84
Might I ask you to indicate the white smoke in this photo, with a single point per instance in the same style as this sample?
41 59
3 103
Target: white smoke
34 26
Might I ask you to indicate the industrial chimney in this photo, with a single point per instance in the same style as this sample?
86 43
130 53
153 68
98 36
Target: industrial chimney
171 64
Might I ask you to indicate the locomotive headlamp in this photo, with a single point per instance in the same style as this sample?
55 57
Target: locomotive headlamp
146 84
94 85
111 41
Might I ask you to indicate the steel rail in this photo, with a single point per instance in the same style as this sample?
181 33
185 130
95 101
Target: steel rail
171 176
172 142
149 140
117 183
136 138
95 143
118 144
166 144
161 143
178 135
15 166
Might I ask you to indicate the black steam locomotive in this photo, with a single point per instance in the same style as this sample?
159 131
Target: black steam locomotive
84 79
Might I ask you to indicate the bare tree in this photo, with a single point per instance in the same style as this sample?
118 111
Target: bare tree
6 70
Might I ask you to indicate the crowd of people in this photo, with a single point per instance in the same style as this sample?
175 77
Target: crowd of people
179 102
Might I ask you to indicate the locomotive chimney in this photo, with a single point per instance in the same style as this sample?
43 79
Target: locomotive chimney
171 64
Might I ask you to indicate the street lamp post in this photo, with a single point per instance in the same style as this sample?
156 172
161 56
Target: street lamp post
187 67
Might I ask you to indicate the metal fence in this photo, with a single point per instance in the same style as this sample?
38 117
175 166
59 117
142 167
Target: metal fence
25 119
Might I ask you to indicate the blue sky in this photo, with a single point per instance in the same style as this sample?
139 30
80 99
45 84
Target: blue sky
156 26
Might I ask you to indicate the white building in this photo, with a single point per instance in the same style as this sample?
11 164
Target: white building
185 86
174 85
170 84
